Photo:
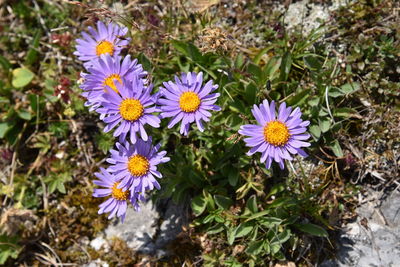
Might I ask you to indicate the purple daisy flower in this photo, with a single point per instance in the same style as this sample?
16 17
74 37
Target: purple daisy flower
187 100
136 165
119 197
106 39
276 137
132 108
105 73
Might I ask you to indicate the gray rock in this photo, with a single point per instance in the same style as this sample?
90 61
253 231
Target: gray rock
98 243
309 15
138 228
175 217
374 239
148 231
391 210
96 263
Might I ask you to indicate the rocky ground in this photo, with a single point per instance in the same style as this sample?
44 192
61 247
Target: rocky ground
374 238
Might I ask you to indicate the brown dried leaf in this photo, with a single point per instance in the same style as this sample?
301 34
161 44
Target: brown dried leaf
200 5
285 264
13 218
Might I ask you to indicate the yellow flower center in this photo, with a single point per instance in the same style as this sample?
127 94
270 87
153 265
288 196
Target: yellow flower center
109 81
118 194
189 102
131 109
138 165
276 133
104 47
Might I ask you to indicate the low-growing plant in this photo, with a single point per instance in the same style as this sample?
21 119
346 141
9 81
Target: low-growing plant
246 211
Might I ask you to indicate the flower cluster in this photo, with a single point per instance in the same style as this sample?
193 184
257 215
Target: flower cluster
117 88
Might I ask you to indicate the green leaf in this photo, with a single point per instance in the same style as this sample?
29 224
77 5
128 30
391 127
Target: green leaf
21 77
12 133
314 101
270 70
24 114
209 200
255 247
145 62
337 150
3 128
298 98
286 65
239 61
52 186
5 63
59 128
335 92
231 235
312 62
324 124
311 229
244 229
281 237
258 57
252 204
215 229
336 127
208 218
270 222
275 248
223 202
251 93
8 248
276 189
258 214
233 176
349 88
345 113
283 201
255 71
180 46
198 205
32 54
194 53
104 141
61 187
315 131
56 181
234 121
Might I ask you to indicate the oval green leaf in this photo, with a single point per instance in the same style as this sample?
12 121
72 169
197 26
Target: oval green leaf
312 229
21 77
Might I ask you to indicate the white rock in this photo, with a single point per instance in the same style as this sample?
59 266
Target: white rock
98 243
138 228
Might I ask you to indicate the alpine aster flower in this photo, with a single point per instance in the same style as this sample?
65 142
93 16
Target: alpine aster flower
131 108
105 73
187 100
276 137
119 196
135 166
106 39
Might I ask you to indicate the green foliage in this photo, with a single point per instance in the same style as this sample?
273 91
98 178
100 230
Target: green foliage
104 141
8 248
59 129
212 168
57 181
